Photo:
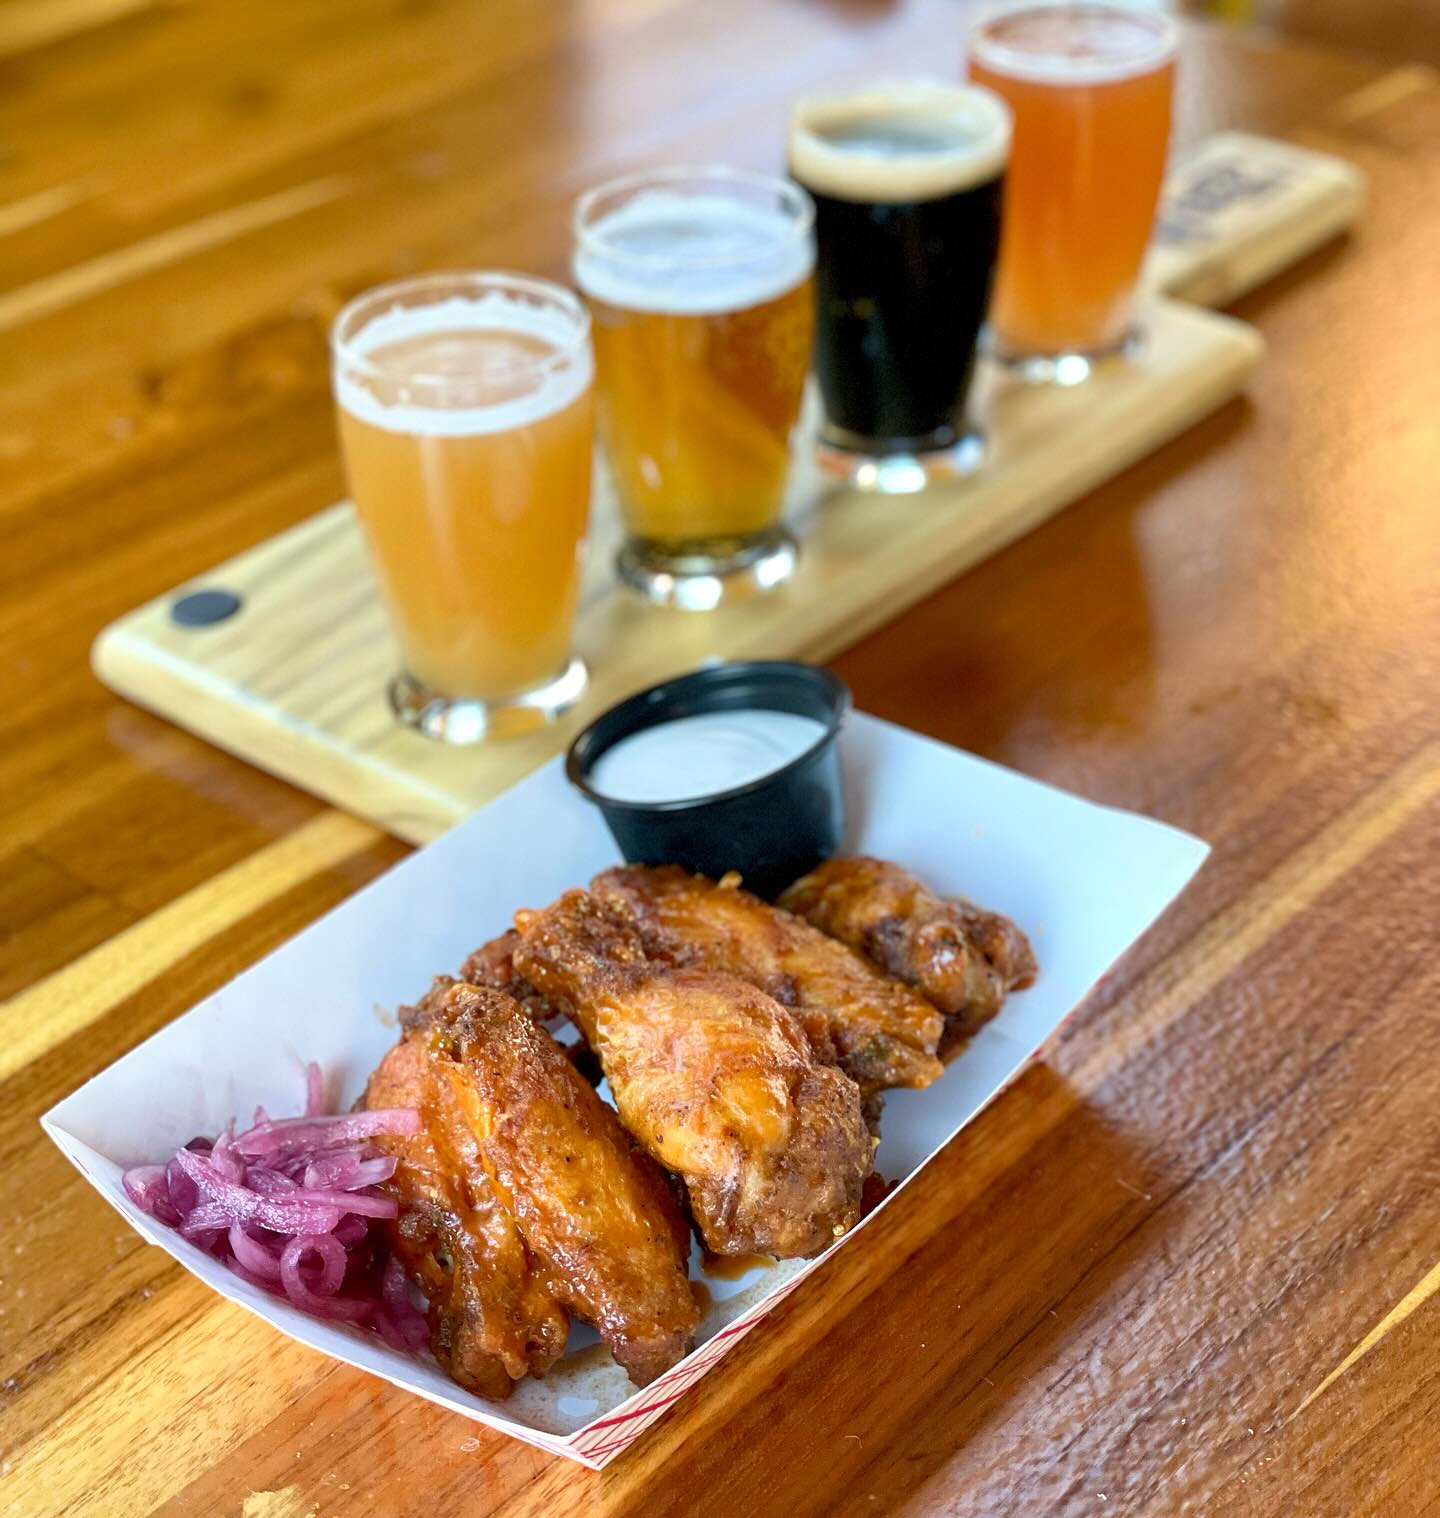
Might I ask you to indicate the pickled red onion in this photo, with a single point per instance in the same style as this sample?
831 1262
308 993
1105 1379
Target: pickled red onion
289 1206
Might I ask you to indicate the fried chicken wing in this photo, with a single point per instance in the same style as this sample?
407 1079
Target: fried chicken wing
714 1078
598 1216
423 1013
963 958
493 964
492 1316
880 1031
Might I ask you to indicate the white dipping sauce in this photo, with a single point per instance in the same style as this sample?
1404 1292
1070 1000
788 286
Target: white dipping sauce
698 756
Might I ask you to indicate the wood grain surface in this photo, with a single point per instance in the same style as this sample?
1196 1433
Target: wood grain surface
1188 1264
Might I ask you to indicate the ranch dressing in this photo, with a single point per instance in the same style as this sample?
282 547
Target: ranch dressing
701 755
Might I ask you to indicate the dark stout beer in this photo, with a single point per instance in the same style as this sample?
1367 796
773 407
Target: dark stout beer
906 180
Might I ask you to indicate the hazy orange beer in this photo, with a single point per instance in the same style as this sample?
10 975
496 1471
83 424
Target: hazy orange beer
1090 86
465 419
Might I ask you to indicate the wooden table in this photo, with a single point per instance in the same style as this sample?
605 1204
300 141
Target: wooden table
1189 1263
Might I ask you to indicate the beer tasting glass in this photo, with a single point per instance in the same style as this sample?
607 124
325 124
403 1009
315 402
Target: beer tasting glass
907 181
699 285
1090 86
465 421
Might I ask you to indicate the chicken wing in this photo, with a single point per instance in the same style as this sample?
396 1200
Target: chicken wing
598 1216
963 958
472 972
879 1031
493 964
424 1012
716 1080
492 1316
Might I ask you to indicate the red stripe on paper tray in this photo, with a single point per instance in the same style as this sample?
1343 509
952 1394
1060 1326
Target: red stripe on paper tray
667 1384
630 1434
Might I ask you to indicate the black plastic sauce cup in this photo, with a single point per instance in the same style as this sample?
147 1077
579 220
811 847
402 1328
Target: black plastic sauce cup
772 830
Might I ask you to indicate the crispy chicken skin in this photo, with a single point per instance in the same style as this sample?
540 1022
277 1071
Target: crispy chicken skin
493 964
714 1078
964 959
878 1030
423 1012
597 1215
492 1316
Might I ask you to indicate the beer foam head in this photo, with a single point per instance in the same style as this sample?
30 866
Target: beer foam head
427 369
1075 44
691 252
900 141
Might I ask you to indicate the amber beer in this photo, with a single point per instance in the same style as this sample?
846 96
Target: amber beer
465 420
1090 87
699 283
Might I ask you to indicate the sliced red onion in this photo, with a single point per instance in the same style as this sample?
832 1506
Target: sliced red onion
416 1330
315 1103
348 1171
395 1287
389 1330
342 1201
354 1309
143 1182
288 1207
257 1258
206 1217
320 1247
289 1134
269 1182
351 1230
145 1186
227 1162
184 1193
207 1240
297 1212
408 1319
236 1268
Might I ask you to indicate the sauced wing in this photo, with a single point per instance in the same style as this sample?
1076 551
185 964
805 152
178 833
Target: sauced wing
963 958
421 1014
714 1078
493 965
598 1215
881 1032
492 1316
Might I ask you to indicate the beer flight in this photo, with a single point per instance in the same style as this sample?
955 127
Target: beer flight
924 223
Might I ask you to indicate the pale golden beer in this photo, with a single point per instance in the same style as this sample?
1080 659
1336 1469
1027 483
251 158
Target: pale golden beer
465 420
700 285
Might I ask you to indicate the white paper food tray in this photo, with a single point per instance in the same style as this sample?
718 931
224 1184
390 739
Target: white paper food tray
1083 880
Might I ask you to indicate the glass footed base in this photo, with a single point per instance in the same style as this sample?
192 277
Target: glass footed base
1071 368
901 473
472 720
701 580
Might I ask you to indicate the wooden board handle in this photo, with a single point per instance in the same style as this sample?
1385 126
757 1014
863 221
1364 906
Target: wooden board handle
1238 208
